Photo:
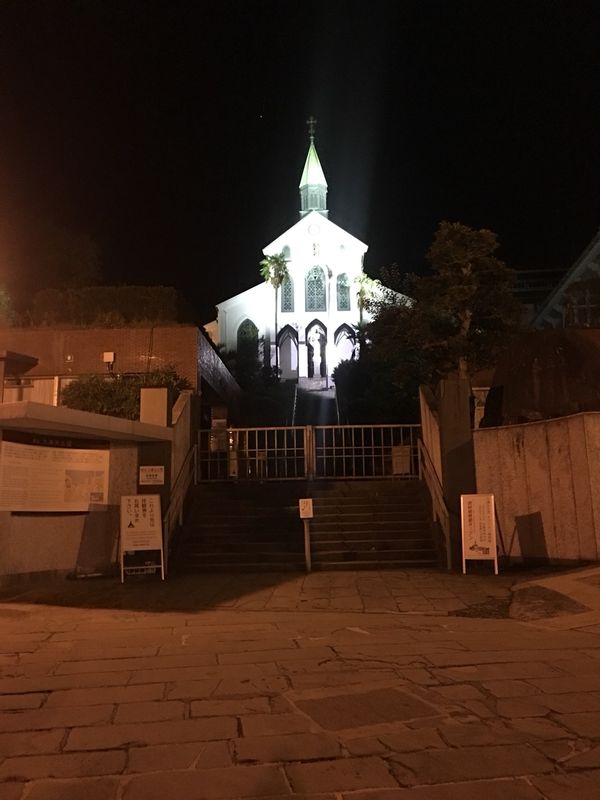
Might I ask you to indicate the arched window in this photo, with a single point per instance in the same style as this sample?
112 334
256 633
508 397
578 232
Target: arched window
287 294
315 290
247 338
343 292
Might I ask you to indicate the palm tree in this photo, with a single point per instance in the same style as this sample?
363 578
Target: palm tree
274 270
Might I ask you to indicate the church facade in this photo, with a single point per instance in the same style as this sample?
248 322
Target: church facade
318 308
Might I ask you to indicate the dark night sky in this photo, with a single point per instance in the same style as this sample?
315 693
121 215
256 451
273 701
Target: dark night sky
173 133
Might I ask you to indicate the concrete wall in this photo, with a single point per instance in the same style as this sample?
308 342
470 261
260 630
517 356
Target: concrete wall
546 480
36 544
182 433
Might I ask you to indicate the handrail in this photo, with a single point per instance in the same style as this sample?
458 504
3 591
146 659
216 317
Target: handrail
178 494
441 512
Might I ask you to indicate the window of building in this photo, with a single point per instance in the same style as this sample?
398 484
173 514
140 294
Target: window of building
247 338
315 290
287 294
343 292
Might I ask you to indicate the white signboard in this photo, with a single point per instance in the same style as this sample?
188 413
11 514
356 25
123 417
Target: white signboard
152 476
478 524
42 478
305 505
141 529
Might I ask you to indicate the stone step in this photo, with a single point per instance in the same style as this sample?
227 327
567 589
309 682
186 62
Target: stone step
346 543
370 565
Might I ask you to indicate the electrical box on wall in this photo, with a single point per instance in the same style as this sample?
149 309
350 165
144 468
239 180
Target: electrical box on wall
108 357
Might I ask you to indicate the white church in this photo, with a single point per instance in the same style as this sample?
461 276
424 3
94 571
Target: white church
318 310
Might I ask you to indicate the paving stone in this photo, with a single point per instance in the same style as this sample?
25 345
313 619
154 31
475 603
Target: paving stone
475 763
149 712
587 724
297 654
189 690
341 677
55 718
232 687
364 708
292 747
30 742
576 786
474 734
504 671
570 703
342 775
364 746
106 737
17 702
109 694
490 790
567 685
233 708
63 765
208 784
79 789
459 691
49 683
539 728
411 740
157 662
557 750
587 760
275 724
201 755
509 688
520 707
11 791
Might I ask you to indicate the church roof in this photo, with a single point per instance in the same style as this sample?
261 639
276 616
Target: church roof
312 174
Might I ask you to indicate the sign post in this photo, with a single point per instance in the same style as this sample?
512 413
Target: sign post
305 506
141 529
478 527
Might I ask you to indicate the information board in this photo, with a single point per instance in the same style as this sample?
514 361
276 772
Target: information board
50 478
305 505
141 530
152 476
478 526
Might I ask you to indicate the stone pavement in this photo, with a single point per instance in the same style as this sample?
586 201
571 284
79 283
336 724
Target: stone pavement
256 695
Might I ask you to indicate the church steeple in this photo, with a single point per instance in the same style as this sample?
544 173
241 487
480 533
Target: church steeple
313 186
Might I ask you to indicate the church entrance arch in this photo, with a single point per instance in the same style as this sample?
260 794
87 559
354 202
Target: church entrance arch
345 342
287 341
316 348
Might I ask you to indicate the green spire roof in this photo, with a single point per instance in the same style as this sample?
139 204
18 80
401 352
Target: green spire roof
313 174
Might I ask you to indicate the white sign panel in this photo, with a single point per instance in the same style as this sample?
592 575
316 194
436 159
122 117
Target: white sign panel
40 478
141 529
401 459
152 476
478 524
305 505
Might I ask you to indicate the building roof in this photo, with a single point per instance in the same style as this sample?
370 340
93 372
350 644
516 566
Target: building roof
312 174
51 420
587 265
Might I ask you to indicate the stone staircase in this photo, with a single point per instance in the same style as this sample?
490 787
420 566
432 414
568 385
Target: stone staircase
255 527
242 527
371 525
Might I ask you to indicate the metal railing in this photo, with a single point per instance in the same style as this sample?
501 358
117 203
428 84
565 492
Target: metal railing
366 451
174 513
441 514
299 453
252 454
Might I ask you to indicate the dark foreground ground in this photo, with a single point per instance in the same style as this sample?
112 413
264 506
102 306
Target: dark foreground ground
333 686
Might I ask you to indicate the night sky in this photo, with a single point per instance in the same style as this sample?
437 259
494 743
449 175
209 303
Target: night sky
174 133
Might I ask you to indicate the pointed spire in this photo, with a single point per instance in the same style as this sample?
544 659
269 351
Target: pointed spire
313 186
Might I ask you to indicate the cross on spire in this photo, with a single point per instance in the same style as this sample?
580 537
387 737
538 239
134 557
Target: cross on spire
312 125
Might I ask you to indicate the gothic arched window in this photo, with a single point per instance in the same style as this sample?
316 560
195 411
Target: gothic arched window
287 294
247 338
315 290
343 292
